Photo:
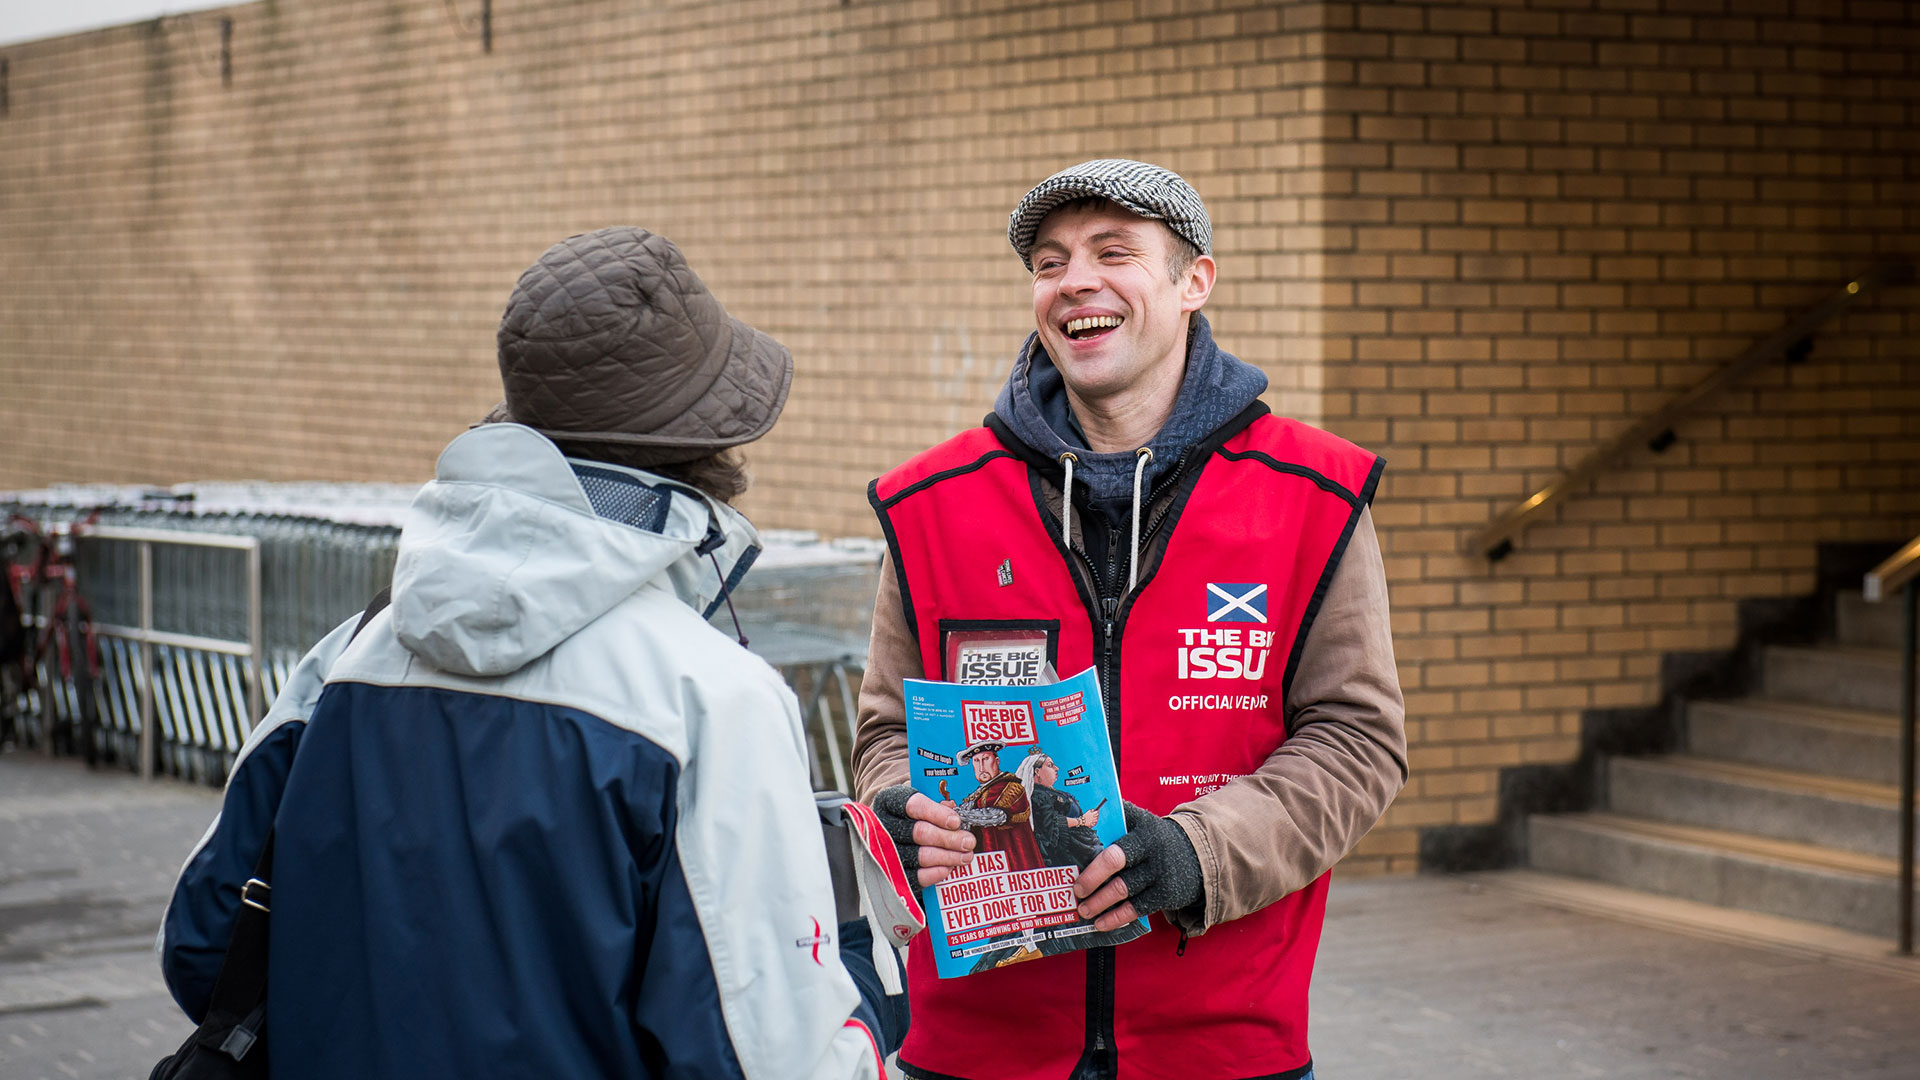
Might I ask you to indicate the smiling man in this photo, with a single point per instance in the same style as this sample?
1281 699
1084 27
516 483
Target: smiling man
1131 505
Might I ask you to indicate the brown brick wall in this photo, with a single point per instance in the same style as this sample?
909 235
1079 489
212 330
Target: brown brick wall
299 277
1479 237
1544 220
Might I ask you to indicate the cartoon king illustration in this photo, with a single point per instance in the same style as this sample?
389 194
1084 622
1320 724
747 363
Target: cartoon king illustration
997 812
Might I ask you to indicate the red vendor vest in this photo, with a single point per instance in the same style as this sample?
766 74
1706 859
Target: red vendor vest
1202 653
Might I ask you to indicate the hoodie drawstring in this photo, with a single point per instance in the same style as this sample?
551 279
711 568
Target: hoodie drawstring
1066 501
715 540
1140 459
727 595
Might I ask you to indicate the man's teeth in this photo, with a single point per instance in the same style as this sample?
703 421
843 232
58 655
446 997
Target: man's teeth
1092 322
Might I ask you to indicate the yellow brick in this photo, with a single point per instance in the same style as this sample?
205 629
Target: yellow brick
1480 238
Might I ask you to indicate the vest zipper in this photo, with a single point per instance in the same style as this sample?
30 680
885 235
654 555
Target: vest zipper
1108 588
1100 960
1108 605
1096 1059
1110 595
1172 479
1101 963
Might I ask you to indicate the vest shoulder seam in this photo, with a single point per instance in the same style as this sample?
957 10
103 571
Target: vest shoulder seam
1321 586
893 550
924 483
1321 480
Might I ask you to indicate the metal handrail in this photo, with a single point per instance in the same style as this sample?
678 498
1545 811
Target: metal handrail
1656 432
1901 573
1894 574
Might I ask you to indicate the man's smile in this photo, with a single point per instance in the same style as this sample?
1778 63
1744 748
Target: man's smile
1090 326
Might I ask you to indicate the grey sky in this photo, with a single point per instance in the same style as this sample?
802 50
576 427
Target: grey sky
31 20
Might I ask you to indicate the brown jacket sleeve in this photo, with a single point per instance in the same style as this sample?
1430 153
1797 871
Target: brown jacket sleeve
1272 832
880 737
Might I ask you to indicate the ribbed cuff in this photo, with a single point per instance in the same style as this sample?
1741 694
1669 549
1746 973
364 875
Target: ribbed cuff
1194 919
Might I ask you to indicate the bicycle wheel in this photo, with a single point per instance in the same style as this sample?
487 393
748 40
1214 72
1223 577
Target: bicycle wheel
81 667
54 678
12 732
15 648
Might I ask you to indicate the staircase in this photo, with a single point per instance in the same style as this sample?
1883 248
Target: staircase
1784 803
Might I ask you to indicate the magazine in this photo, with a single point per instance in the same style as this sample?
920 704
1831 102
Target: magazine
1031 773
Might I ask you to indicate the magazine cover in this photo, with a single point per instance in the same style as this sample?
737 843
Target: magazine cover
1030 771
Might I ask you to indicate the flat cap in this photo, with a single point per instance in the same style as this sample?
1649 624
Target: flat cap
1147 190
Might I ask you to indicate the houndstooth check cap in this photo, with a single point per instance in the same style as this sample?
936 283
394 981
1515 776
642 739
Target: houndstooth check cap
1147 190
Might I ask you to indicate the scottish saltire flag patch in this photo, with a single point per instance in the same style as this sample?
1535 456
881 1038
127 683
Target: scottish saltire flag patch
1236 603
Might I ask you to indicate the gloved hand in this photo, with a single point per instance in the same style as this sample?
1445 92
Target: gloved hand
891 806
939 843
1152 868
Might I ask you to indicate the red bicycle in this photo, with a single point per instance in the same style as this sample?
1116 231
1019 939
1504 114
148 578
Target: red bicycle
65 646
16 641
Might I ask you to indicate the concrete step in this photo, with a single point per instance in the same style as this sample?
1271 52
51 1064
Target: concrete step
1796 937
1868 626
1847 676
1717 866
1853 743
1784 804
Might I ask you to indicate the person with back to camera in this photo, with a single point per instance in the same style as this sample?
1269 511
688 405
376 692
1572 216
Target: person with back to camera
1131 500
538 818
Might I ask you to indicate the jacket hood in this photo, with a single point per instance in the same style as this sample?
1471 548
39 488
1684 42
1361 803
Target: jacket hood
502 556
1033 404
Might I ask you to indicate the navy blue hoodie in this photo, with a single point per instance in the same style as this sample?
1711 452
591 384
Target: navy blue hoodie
1033 404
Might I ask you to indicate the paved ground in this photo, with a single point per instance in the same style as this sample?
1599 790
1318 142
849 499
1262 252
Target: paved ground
1445 978
1435 978
86 863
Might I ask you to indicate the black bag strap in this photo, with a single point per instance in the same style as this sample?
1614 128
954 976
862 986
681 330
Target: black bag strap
374 606
237 1011
237 1014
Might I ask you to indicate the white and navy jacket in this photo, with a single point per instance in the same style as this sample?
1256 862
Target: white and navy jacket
538 819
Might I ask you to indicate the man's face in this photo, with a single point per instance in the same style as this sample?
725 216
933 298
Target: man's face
1107 312
986 765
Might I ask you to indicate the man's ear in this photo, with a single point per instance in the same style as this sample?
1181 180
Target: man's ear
1197 284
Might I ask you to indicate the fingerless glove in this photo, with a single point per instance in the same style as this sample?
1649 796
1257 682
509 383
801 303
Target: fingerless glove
890 804
1162 871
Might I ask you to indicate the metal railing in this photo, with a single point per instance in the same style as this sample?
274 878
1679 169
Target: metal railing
1900 573
1656 432
146 638
201 619
810 618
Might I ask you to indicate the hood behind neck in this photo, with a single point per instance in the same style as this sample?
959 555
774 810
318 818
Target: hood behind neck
502 556
1216 387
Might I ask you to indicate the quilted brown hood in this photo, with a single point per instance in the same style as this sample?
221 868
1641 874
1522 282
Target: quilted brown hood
610 337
